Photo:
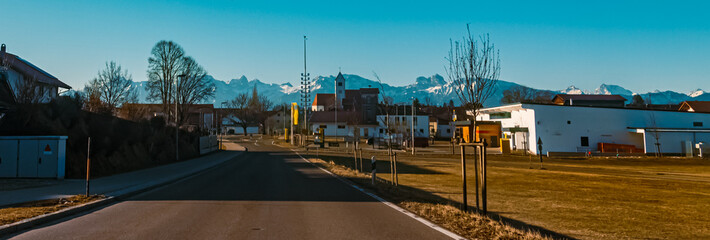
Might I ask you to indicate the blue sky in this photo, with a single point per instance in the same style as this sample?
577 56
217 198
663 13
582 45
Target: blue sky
640 45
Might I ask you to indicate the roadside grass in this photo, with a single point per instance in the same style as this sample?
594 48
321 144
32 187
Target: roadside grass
467 224
32 209
596 198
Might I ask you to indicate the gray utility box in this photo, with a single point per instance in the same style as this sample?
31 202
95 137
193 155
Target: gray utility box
32 156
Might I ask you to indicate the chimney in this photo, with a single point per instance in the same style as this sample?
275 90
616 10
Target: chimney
2 49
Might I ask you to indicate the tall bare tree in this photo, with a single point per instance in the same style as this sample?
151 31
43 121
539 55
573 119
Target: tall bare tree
193 86
473 70
112 87
164 67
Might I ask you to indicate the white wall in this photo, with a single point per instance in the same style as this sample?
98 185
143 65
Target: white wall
330 129
421 128
608 125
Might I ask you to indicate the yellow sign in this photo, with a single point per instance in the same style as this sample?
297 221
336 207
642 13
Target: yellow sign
294 113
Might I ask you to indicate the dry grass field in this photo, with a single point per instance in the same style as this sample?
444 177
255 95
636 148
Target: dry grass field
596 198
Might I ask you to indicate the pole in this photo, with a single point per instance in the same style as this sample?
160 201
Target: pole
88 165
177 128
291 118
463 178
361 167
413 150
373 165
396 175
484 190
305 89
336 110
476 169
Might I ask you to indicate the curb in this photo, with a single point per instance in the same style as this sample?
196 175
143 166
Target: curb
115 197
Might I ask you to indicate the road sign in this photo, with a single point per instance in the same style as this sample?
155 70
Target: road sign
47 150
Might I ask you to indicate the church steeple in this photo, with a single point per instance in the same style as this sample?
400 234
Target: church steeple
340 89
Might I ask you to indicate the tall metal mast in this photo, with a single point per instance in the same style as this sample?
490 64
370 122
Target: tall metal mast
305 88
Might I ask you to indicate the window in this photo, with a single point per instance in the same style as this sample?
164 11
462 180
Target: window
323 126
499 115
585 141
448 130
421 130
340 83
569 122
381 130
341 126
697 124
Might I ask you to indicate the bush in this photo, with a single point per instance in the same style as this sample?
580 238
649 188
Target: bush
117 145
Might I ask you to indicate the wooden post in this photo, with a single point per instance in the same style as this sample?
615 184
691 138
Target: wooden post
361 167
88 165
477 175
483 179
396 175
463 178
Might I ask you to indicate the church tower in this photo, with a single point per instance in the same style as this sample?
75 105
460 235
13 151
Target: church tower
339 90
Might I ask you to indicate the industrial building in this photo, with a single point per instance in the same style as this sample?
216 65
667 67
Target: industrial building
570 128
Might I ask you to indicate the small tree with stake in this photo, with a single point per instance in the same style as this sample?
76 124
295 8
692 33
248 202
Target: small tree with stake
474 66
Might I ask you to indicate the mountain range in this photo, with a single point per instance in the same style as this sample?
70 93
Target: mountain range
434 88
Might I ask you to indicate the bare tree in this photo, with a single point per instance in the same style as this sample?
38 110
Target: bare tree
30 91
112 87
164 66
249 110
193 86
525 94
654 126
474 66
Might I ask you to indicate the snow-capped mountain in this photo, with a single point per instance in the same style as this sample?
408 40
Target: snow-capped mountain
434 88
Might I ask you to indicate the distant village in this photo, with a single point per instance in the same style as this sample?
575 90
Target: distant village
566 124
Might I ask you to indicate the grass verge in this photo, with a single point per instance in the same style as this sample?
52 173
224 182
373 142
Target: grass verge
470 225
32 209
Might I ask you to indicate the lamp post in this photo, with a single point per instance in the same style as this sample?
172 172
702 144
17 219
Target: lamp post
177 127
221 123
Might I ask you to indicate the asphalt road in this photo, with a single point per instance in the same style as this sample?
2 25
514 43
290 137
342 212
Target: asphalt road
267 193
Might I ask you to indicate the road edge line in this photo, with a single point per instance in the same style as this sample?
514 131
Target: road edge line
388 203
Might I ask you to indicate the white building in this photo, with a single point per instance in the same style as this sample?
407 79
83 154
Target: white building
344 125
580 128
403 124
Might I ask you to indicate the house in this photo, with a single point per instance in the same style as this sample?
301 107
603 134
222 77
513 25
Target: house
573 128
323 102
400 123
695 106
589 100
23 82
344 124
199 116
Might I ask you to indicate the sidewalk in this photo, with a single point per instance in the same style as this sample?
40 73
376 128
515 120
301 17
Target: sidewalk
122 183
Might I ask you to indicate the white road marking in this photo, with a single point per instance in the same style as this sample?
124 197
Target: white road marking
388 203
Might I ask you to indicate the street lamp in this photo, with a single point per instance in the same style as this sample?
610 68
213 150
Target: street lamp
177 127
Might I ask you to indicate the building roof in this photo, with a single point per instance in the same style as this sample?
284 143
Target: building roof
340 77
695 106
324 99
588 97
329 117
28 69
